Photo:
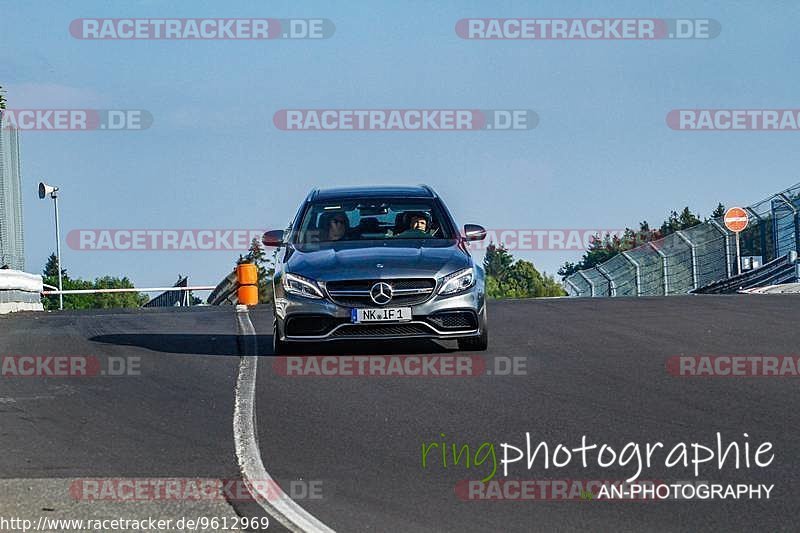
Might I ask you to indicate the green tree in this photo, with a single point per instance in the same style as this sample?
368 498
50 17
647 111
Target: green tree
718 211
568 269
51 267
112 300
497 261
50 277
679 221
89 301
603 248
507 278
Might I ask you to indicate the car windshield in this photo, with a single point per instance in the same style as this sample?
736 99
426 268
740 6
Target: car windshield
373 219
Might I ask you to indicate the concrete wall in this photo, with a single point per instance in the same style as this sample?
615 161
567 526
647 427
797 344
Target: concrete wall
20 291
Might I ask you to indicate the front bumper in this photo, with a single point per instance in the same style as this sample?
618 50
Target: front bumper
304 319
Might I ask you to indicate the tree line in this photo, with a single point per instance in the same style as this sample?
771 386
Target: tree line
89 301
509 278
506 277
602 248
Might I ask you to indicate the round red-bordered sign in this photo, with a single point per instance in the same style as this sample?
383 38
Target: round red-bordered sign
736 219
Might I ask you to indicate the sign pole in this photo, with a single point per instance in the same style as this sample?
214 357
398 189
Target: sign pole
58 255
738 256
736 220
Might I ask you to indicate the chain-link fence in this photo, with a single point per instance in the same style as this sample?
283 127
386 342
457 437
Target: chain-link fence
695 257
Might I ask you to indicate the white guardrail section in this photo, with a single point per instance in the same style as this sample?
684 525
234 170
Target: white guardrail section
225 292
20 291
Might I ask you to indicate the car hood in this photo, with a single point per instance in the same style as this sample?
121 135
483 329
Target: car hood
360 260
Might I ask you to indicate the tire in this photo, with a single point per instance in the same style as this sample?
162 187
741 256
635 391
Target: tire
475 344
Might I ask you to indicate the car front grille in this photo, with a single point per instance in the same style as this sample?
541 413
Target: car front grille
381 330
355 293
310 325
454 320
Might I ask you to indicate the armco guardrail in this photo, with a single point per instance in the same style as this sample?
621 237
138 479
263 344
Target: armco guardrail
782 270
225 292
686 260
20 291
172 298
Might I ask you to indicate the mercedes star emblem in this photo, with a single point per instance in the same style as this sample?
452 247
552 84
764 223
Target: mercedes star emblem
381 293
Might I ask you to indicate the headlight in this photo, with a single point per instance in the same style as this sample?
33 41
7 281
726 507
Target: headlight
301 286
458 281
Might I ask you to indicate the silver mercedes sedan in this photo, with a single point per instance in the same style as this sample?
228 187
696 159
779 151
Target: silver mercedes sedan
376 263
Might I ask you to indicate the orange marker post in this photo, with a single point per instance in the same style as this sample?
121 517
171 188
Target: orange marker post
247 276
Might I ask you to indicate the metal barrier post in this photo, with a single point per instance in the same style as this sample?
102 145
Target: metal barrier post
695 274
591 285
612 285
663 265
763 236
627 256
574 287
793 260
727 246
784 199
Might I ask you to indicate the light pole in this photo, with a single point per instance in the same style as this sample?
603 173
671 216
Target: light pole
44 191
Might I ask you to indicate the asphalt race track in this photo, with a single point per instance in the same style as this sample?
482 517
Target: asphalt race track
593 367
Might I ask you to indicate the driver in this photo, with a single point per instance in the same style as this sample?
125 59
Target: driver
419 223
418 227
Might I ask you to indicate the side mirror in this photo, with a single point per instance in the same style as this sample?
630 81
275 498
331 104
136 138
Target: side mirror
273 238
474 232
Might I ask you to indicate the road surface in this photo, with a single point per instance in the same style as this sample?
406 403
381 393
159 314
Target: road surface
593 367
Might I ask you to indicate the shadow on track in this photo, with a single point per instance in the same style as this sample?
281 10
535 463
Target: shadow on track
204 344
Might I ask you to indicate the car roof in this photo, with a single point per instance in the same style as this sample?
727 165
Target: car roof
378 191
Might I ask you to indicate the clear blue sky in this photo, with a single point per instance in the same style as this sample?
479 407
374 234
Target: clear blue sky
601 156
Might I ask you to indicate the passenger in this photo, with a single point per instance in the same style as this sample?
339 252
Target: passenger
337 227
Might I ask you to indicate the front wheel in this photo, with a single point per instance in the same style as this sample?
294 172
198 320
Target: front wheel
475 344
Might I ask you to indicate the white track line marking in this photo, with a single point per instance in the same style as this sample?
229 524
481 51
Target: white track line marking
277 503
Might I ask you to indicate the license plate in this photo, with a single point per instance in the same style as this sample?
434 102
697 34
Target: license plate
388 314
